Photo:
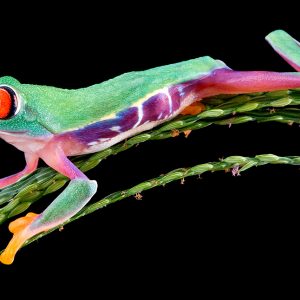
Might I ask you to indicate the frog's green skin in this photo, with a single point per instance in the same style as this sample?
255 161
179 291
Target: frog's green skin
287 47
53 123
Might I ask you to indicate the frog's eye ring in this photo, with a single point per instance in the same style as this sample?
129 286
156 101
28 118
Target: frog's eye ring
8 102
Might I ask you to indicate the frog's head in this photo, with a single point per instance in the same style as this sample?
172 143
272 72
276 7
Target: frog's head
16 115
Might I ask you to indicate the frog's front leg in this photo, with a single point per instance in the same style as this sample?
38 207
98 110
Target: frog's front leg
31 165
79 191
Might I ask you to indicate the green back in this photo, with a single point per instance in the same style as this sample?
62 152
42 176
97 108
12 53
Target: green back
60 110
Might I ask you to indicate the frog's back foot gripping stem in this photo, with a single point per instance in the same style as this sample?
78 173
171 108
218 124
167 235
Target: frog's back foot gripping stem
286 46
79 191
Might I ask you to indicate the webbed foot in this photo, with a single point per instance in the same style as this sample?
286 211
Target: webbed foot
21 233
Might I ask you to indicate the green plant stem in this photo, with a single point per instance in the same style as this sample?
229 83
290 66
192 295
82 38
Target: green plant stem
236 164
22 194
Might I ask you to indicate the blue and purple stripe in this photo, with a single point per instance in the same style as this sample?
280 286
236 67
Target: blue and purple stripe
156 108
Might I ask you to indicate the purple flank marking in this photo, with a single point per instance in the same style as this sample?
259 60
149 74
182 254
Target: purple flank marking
102 129
155 106
127 118
95 131
178 93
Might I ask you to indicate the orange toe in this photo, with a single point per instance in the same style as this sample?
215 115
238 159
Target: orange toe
194 109
21 232
20 223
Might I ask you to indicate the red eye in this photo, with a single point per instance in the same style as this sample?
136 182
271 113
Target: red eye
6 103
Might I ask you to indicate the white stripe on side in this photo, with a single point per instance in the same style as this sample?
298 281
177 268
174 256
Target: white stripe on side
166 92
140 115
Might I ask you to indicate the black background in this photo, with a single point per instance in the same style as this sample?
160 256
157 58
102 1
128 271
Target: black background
214 233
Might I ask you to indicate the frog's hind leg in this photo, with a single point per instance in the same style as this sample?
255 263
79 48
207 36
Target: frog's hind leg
228 82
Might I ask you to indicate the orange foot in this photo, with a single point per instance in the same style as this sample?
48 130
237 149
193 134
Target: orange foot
194 109
19 228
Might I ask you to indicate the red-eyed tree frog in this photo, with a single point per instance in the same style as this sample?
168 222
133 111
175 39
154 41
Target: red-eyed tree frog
52 124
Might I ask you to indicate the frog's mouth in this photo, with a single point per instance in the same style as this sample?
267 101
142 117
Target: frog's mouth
10 132
37 130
